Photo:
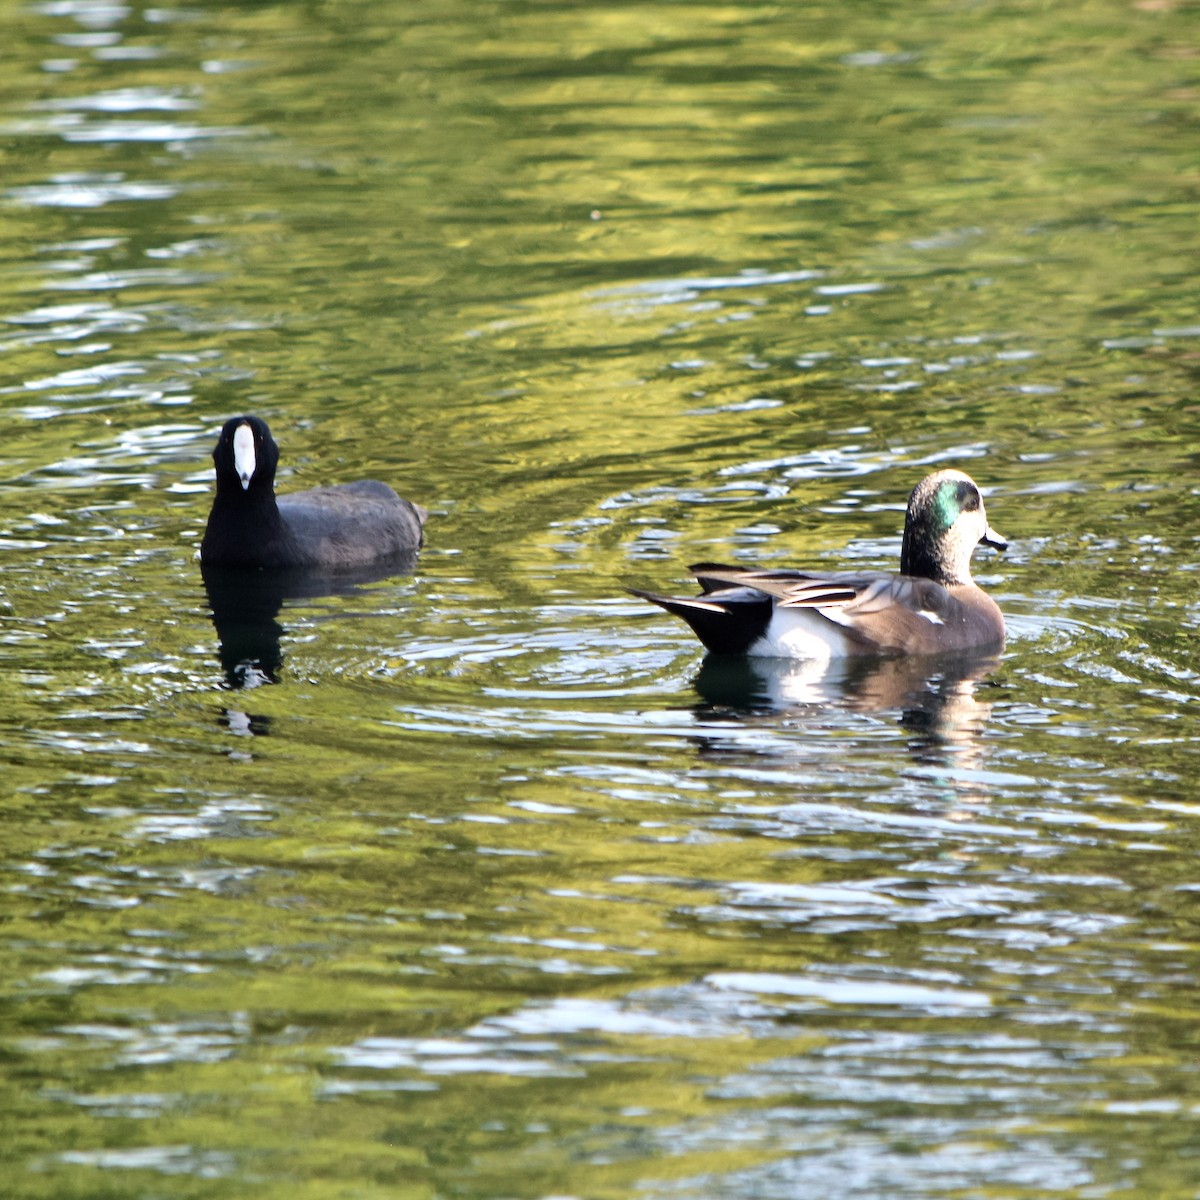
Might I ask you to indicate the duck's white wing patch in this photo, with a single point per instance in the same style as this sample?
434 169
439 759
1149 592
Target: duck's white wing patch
930 616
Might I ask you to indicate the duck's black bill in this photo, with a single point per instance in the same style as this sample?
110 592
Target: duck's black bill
993 539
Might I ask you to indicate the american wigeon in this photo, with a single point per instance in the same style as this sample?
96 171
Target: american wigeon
932 607
345 525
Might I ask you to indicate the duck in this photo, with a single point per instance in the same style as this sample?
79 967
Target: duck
933 606
341 526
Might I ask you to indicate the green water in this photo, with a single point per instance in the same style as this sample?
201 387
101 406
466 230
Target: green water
498 890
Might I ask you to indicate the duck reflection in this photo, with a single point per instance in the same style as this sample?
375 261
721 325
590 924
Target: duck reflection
245 607
937 699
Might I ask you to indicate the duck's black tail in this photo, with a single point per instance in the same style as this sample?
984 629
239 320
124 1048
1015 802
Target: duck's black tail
728 623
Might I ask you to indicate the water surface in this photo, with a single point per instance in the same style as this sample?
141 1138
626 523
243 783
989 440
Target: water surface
481 882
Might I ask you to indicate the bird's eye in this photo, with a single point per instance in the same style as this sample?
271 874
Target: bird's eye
968 497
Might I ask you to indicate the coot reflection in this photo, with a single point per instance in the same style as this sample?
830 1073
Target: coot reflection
246 606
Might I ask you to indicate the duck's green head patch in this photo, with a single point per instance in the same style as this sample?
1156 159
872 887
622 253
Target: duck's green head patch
953 498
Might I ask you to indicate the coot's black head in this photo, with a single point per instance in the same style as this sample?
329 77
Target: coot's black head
245 457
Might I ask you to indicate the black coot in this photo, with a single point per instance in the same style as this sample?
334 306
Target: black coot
344 526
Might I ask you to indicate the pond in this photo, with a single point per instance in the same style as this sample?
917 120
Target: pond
480 881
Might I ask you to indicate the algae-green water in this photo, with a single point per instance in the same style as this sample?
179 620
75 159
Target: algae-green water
480 883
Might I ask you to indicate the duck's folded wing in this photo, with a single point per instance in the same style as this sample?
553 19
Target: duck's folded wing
795 589
919 616
877 611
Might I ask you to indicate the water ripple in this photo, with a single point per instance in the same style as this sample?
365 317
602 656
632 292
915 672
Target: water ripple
86 189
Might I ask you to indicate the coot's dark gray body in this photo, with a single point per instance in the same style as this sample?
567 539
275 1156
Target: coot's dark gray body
343 526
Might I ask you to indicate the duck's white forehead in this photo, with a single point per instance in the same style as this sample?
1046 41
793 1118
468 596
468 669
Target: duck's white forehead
947 475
